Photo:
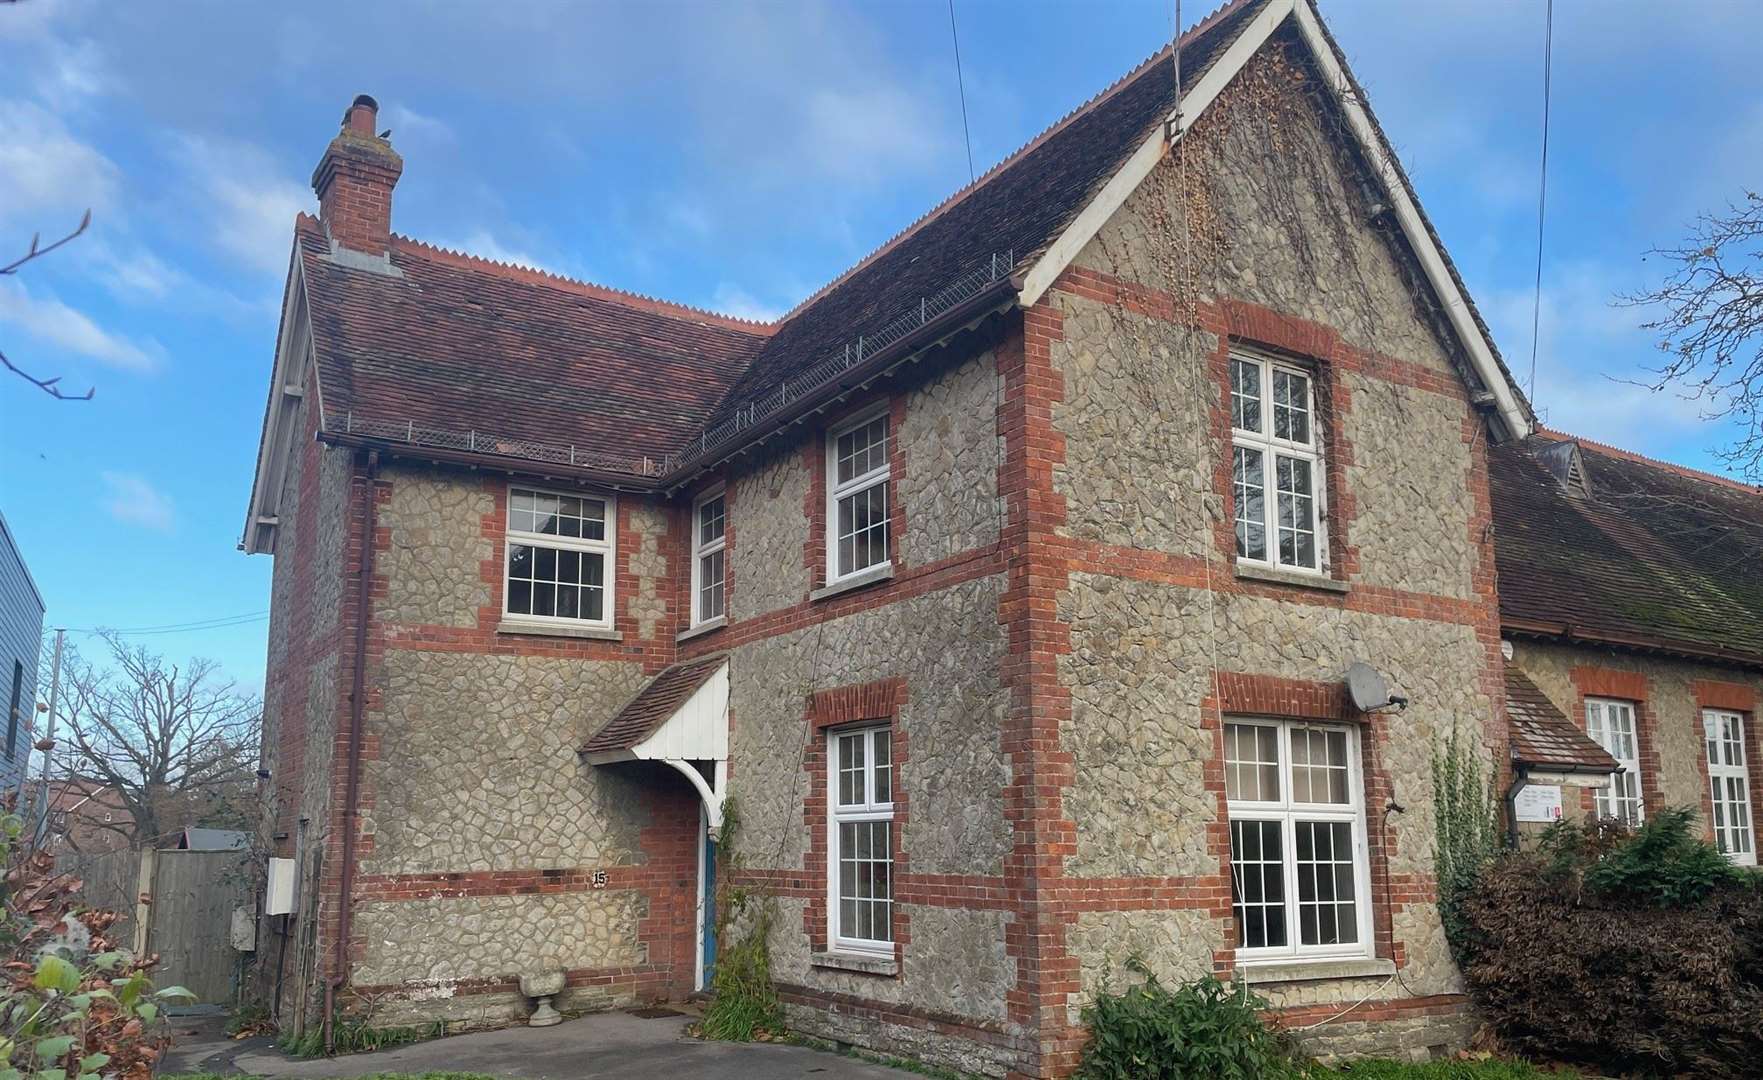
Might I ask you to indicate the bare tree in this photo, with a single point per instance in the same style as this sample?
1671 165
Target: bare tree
52 384
1710 324
176 744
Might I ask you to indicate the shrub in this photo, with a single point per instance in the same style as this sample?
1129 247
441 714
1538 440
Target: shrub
1203 1030
1466 822
1635 952
745 1005
71 1005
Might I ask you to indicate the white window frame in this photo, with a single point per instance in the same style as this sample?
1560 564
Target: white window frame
702 550
1287 812
1623 787
1724 729
607 548
1271 449
872 809
837 492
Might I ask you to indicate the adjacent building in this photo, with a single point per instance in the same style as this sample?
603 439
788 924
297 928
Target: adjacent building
21 640
991 609
1629 592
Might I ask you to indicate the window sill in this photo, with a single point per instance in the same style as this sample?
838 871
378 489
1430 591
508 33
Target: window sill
1291 971
1257 572
857 962
591 633
702 628
884 572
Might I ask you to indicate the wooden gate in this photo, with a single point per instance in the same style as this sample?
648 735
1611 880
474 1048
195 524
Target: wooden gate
189 921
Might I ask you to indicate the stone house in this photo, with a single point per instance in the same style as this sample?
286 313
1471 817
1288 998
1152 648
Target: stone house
1628 600
992 607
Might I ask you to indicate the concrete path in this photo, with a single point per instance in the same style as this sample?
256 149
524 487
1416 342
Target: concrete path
603 1046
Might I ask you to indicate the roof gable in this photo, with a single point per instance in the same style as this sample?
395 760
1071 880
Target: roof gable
436 349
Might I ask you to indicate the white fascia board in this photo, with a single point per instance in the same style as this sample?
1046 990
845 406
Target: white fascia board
1126 180
1432 261
296 315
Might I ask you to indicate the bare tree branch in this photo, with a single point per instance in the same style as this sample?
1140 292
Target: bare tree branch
37 250
1710 324
175 744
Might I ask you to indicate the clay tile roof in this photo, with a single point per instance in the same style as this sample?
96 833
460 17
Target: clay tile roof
1648 555
1543 736
654 703
1019 207
460 344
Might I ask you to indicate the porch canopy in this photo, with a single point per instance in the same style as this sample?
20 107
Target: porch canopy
1544 741
680 719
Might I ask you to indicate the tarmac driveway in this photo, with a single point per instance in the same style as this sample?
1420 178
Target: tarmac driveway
603 1045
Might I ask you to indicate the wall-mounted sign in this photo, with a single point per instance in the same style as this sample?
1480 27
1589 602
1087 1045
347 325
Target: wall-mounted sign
1539 802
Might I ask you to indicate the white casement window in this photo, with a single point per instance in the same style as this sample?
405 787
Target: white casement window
1300 876
857 497
1276 465
860 852
560 550
1730 785
709 557
1611 724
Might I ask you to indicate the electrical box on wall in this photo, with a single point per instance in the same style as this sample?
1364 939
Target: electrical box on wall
279 897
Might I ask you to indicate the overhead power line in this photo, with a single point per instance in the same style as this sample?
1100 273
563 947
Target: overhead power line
1536 310
218 622
961 85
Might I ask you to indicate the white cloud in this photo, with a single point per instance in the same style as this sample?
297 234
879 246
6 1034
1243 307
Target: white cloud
731 299
132 498
54 323
485 245
407 123
48 170
250 204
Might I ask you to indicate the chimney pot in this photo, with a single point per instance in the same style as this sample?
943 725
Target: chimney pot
361 114
354 182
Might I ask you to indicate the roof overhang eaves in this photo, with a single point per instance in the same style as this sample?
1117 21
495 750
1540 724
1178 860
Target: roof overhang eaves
1513 415
498 463
296 311
1000 296
1113 194
1509 418
1568 633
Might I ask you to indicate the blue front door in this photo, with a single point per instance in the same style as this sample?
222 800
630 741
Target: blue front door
708 907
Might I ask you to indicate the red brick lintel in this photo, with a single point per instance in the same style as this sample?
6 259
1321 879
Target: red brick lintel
1257 325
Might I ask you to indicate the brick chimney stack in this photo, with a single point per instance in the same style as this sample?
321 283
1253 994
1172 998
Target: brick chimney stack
354 181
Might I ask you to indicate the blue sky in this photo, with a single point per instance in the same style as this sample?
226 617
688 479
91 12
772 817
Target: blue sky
734 156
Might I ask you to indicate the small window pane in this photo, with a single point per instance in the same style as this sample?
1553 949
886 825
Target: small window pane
1257 874
862 450
711 521
1297 512
1251 763
884 772
1291 406
1249 491
1245 395
862 530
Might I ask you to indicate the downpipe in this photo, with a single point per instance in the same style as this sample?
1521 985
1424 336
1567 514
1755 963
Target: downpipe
352 783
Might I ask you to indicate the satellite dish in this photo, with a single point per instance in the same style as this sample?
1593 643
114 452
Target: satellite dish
1366 688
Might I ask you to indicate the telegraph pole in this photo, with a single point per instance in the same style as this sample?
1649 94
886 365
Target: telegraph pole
49 742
